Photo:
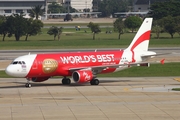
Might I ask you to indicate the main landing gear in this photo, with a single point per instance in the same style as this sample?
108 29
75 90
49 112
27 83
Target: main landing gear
66 81
94 82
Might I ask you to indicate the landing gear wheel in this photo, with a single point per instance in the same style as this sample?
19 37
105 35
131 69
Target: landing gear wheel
28 85
66 81
94 82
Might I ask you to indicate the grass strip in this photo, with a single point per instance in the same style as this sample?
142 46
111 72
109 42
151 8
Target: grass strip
176 89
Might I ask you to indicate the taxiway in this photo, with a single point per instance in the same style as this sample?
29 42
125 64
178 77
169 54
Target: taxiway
127 98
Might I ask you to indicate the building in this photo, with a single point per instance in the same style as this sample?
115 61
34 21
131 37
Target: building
57 1
143 5
79 5
18 6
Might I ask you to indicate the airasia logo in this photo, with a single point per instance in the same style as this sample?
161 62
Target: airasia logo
86 76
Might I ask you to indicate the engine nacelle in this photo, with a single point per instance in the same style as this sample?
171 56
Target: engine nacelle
82 76
39 79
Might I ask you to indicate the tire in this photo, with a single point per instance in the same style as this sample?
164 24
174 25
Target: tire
94 82
66 81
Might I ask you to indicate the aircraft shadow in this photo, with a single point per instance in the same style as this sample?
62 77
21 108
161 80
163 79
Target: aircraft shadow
22 84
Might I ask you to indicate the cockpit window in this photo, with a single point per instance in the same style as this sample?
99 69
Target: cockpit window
15 62
18 62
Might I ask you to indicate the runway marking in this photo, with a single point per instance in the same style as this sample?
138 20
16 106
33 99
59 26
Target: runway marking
177 79
126 89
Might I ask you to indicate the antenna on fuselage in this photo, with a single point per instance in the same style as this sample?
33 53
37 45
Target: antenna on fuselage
29 53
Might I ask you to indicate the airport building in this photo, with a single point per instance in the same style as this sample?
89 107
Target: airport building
18 6
143 5
79 5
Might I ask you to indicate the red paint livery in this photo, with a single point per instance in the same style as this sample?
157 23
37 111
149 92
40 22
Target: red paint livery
83 66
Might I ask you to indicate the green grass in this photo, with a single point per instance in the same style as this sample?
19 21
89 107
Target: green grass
79 39
75 24
168 69
176 89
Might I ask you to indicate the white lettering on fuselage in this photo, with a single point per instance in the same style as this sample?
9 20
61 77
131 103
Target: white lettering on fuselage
87 58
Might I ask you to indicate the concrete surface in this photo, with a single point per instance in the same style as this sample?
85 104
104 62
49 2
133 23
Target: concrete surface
149 98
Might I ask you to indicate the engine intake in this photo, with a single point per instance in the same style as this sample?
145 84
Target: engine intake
82 76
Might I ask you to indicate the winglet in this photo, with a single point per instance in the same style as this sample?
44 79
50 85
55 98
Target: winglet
162 61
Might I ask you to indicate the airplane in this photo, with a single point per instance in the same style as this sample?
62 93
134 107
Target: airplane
83 66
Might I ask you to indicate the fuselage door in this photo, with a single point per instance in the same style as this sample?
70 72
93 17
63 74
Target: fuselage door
35 65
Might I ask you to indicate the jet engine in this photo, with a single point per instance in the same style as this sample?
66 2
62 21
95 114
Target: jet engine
39 79
82 76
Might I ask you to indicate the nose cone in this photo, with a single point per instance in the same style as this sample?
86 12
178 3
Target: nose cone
15 71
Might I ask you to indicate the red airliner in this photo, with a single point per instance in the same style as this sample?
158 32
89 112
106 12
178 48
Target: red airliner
83 66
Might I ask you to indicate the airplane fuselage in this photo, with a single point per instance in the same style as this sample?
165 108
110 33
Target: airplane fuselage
59 64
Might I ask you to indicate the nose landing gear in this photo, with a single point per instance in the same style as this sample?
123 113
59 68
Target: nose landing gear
28 84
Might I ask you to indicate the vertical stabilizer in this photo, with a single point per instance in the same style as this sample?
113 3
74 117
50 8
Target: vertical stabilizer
141 40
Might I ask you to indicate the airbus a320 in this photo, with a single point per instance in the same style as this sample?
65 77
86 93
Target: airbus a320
83 66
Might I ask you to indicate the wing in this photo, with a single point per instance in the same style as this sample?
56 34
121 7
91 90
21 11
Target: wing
98 69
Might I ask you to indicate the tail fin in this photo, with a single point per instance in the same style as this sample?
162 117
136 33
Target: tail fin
141 40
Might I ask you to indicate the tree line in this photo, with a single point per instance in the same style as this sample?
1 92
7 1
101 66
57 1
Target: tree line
19 26
166 17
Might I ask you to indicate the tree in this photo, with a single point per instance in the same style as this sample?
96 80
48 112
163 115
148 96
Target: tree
177 21
133 22
54 8
33 27
119 26
3 27
86 10
55 31
157 28
16 25
163 9
169 25
94 28
36 11
109 7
